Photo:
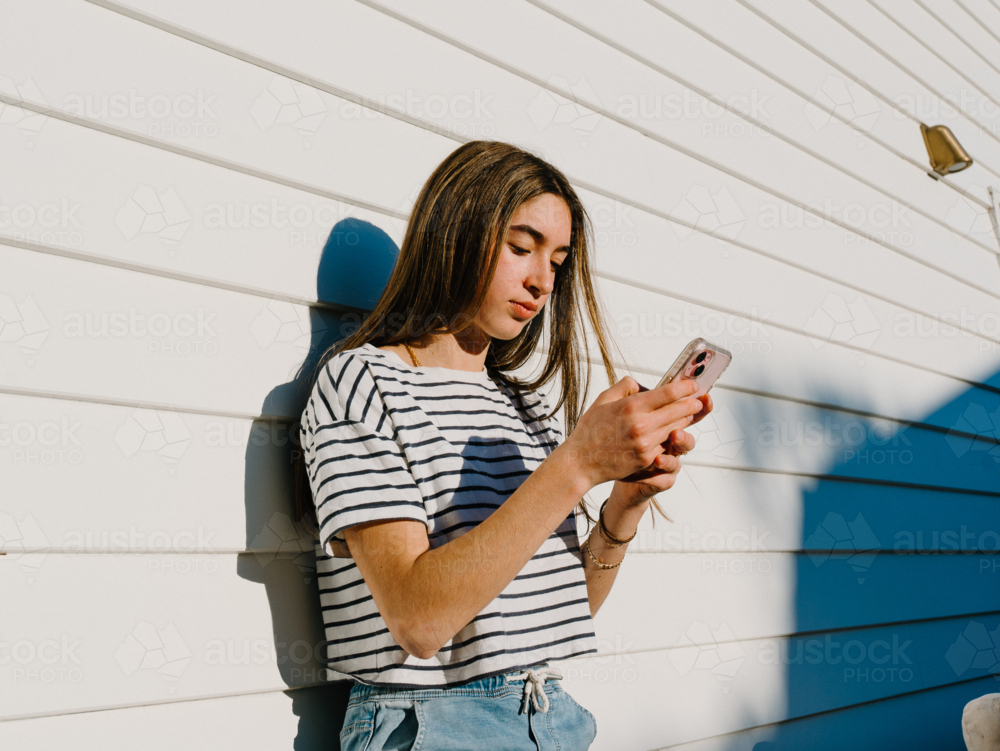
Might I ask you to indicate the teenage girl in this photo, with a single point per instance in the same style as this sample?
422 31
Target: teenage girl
443 493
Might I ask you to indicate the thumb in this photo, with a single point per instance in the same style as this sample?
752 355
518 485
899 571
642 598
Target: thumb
625 387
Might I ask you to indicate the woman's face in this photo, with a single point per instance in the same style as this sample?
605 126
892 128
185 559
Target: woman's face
536 243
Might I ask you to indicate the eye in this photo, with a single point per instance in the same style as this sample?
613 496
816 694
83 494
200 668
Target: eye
517 250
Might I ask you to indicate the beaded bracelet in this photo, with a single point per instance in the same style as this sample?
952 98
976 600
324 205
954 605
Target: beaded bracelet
600 564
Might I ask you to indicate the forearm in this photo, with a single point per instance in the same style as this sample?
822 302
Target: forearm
448 586
621 522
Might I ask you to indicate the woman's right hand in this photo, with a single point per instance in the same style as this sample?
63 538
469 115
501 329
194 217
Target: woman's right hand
627 426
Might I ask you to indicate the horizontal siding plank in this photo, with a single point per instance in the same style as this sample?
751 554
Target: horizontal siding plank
155 628
933 461
135 337
57 456
651 330
741 685
923 721
306 717
762 595
717 509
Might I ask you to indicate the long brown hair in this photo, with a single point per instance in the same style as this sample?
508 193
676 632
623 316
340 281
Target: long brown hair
446 265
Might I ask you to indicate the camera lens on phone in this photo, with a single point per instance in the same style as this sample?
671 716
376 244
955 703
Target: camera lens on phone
699 370
700 357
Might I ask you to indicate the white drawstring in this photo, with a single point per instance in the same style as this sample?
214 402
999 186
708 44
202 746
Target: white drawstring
534 682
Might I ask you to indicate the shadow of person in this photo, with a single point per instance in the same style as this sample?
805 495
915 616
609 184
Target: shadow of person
354 267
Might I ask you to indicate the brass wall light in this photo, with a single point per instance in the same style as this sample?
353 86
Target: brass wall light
944 150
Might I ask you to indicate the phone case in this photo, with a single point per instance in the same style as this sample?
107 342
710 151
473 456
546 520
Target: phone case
714 362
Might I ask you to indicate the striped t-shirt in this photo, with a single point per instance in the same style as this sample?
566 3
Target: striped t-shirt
386 440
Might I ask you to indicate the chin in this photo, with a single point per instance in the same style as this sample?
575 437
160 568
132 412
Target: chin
506 333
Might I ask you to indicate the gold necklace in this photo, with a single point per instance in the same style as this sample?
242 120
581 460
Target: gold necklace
415 360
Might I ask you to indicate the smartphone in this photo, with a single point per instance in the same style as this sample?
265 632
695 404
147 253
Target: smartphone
702 362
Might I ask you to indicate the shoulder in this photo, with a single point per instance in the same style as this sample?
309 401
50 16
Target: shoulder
346 386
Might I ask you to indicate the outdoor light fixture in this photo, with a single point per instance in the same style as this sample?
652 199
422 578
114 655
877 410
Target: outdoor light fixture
944 150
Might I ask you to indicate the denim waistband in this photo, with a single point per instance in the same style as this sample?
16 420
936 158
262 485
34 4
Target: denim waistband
494 683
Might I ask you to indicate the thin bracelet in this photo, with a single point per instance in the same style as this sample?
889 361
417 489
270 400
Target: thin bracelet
611 540
600 564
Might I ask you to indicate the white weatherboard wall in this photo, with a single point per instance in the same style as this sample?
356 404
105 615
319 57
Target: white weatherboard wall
756 175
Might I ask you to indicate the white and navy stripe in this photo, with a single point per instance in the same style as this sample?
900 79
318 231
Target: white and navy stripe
384 440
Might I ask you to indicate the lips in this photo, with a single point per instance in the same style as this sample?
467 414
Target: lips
524 308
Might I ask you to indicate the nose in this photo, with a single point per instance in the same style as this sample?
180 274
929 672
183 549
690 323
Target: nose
541 279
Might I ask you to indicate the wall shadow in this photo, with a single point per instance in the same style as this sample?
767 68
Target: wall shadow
896 599
354 266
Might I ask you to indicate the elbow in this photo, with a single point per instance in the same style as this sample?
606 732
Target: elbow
417 639
423 655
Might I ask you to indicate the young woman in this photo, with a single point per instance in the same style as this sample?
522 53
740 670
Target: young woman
451 571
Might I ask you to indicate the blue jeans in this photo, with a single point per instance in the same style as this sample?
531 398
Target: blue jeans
491 713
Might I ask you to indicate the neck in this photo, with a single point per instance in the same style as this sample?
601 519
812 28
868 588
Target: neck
448 351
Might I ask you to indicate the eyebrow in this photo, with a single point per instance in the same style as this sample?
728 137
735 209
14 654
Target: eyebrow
537 236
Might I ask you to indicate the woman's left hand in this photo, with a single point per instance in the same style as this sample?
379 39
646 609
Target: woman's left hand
661 474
